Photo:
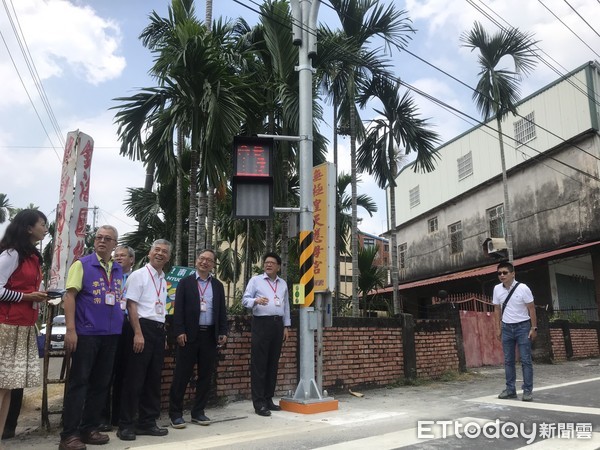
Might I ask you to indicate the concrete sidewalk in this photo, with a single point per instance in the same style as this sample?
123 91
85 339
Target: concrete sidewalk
236 424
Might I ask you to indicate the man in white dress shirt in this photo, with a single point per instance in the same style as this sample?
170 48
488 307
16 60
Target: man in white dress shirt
146 292
267 296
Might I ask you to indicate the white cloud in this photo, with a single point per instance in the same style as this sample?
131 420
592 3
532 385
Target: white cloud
60 37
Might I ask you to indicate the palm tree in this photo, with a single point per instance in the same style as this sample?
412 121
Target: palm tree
497 90
371 276
5 207
344 221
362 21
396 133
199 91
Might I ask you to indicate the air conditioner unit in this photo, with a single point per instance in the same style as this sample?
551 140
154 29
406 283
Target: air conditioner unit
496 245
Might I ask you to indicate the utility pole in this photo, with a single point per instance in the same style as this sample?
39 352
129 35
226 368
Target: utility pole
307 397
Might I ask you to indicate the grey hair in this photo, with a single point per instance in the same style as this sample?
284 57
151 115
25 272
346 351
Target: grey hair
130 251
162 242
111 228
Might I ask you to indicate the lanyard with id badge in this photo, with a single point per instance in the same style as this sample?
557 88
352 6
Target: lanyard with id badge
110 297
274 289
201 292
159 308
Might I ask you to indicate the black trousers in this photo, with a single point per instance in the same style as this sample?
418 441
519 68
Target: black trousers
267 340
91 369
203 353
141 385
110 413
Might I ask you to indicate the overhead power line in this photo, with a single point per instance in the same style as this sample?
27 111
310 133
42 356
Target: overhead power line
462 113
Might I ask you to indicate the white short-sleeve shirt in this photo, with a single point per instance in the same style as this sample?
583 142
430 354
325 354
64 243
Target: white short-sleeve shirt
516 308
147 287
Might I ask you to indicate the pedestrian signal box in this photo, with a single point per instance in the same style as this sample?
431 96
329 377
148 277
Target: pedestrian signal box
252 182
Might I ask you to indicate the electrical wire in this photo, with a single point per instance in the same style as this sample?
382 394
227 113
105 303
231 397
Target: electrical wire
568 28
20 38
581 17
29 96
448 107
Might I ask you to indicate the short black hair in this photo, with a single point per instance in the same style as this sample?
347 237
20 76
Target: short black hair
272 255
506 265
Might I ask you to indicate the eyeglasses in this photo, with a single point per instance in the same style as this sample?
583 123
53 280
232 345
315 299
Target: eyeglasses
104 238
202 259
503 272
270 263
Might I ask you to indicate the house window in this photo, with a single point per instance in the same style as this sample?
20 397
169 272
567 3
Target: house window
496 220
414 197
525 129
386 248
368 242
432 225
402 256
465 166
456 238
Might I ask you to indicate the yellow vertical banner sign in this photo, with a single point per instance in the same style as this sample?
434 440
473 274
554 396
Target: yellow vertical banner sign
320 226
307 273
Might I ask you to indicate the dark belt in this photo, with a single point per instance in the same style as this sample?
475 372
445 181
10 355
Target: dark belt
275 318
206 327
517 323
152 323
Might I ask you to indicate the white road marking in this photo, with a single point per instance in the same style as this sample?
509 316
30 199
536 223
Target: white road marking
517 403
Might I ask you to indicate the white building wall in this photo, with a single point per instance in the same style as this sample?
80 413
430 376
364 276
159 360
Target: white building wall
561 110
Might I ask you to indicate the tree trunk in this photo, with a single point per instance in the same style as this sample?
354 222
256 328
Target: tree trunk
208 16
179 199
202 214
507 215
354 230
211 241
336 305
393 240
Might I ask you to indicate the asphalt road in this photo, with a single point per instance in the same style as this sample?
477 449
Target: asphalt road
460 414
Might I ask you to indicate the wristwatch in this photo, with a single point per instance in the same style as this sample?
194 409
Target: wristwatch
534 328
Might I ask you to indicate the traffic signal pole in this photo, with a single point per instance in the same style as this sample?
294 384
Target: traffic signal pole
307 398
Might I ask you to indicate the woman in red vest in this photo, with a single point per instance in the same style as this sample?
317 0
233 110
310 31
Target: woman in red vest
20 280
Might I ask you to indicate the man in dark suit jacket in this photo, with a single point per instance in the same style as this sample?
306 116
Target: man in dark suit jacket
200 324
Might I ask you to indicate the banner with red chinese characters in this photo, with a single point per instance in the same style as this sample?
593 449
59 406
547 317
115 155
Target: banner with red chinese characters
323 226
71 213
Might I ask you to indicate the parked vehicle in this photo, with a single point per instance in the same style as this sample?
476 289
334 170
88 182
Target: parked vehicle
59 329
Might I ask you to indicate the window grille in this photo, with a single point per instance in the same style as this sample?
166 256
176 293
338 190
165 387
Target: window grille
525 129
465 166
432 225
456 238
414 197
496 221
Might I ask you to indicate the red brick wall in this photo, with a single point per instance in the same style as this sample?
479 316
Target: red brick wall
585 343
558 344
356 352
436 353
361 356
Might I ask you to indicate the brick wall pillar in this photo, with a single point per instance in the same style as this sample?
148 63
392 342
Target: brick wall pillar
408 346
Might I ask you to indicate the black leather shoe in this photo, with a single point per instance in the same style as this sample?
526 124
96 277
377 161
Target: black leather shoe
126 434
8 434
105 427
153 431
273 407
263 411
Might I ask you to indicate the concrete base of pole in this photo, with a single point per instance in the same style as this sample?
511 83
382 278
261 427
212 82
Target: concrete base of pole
311 406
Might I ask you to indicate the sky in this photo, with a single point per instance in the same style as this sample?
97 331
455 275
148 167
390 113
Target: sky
87 52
